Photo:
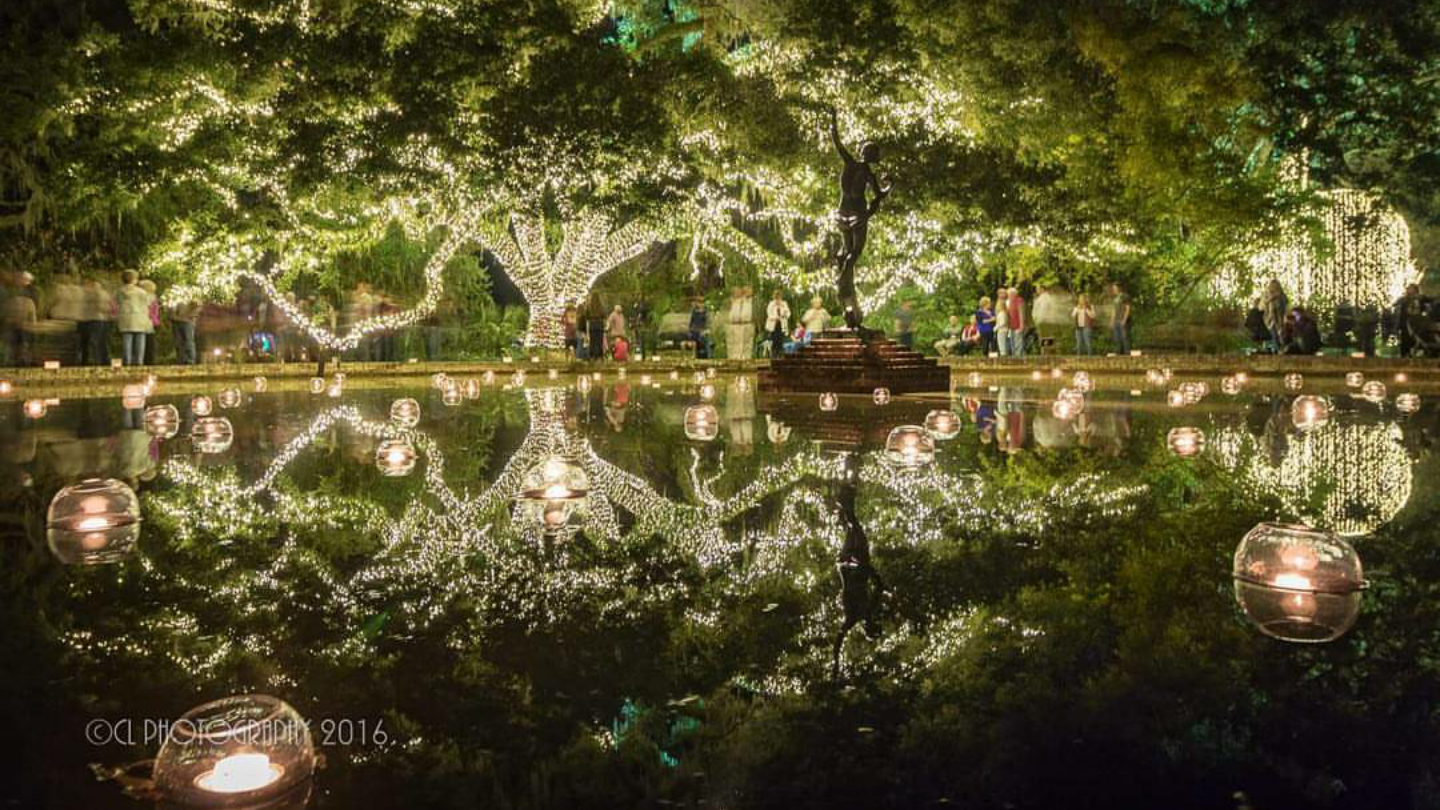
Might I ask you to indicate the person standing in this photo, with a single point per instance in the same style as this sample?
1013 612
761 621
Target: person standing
777 322
1084 315
67 304
149 286
1120 318
1016 306
133 317
905 325
615 327
815 318
182 328
595 323
1407 307
98 309
1277 306
740 325
570 329
1002 321
699 329
985 324
18 315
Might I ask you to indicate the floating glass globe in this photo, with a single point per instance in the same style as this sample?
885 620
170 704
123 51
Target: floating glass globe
212 434
451 396
261 384
1074 397
242 751
1294 382
707 392
555 479
93 522
34 408
829 402
335 389
201 405
1354 379
317 385
133 396
702 422
1407 403
1192 393
1064 409
230 398
975 379
1185 441
583 384
488 377
1081 381
1374 390
942 424
1155 377
1203 387
909 446
440 380
1310 412
162 421
882 396
1176 398
1298 584
395 457
517 379
405 412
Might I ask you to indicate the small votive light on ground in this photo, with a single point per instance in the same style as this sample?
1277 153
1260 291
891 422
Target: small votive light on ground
1056 373
1407 403
93 522
881 396
1230 385
471 388
451 396
395 457
829 402
133 396
702 422
405 412
7 388
1402 377
1294 381
942 424
212 434
674 375
1297 583
553 374
1354 379
230 398
242 751
1176 398
1310 412
162 421
52 365
1036 375
201 405
707 392
909 446
317 385
1185 441
34 408
1373 390
261 384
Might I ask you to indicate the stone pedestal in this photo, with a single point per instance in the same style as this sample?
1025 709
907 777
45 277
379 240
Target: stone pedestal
838 361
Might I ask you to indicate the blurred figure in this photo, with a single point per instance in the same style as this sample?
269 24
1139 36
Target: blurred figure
18 317
620 349
183 319
133 318
777 322
957 339
1002 321
985 325
905 325
1120 319
1016 306
67 304
595 324
1408 307
149 286
699 329
1084 315
816 319
615 325
740 325
570 328
1276 307
96 312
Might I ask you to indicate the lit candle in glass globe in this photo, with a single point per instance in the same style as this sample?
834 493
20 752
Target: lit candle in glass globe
644 379
405 412
6 388
93 522
162 421
1056 373
201 405
1167 373
881 396
674 375
1402 377
1230 385
1310 412
555 479
909 446
942 424
471 388
317 385
1185 441
595 376
975 379
1176 398
1192 393
1354 379
1155 377
707 392
230 398
698 377
488 377
583 384
1063 409
702 422
1081 381
1373 390
440 380
1242 377
212 434
1407 402
518 379
335 389
451 396
261 384
829 402
1037 375
553 374
1294 382
1075 397
1297 583
243 751
133 396
395 457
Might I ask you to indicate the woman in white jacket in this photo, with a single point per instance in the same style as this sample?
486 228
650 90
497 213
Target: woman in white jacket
777 323
132 315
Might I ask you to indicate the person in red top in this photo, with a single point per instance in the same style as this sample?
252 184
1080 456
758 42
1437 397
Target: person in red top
620 351
1017 323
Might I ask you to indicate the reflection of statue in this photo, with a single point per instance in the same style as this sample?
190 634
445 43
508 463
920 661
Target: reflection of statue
854 216
860 583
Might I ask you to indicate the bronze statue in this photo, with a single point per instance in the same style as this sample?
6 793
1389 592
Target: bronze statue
861 588
854 216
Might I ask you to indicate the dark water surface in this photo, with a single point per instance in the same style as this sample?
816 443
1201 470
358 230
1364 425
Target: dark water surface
774 617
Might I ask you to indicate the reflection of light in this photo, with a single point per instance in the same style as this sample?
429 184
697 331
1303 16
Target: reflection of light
1373 390
201 406
239 773
1081 381
6 388
405 411
1354 379
1185 441
1176 398
1407 403
909 446
702 422
829 402
1296 583
1230 385
1310 412
882 396
133 396
317 385
34 408
942 424
1294 382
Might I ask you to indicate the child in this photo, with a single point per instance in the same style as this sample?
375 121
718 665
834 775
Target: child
620 350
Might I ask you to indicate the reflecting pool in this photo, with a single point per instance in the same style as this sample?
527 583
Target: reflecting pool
683 592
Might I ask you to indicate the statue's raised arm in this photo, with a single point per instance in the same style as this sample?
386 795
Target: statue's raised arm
856 208
835 138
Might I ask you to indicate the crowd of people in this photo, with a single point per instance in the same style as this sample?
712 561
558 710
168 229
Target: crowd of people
1278 327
